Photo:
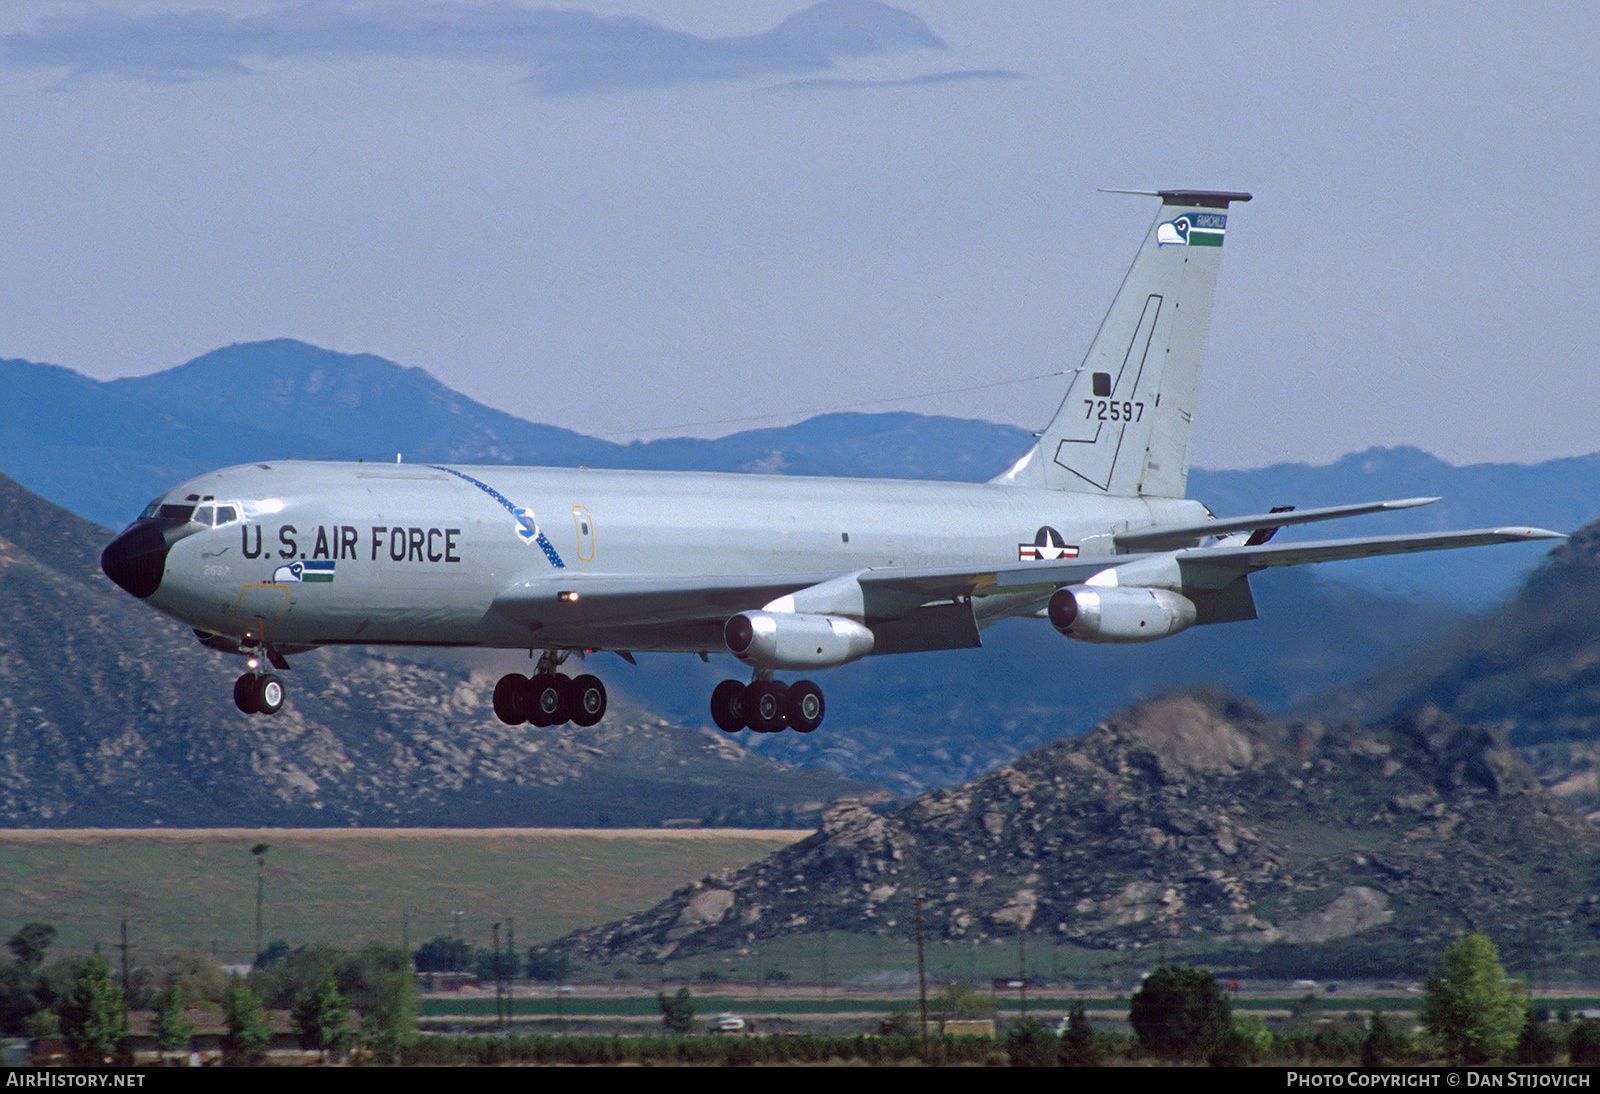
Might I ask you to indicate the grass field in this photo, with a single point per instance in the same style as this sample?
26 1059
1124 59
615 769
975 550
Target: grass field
197 889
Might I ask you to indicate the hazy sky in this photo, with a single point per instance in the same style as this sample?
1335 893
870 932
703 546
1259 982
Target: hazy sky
630 218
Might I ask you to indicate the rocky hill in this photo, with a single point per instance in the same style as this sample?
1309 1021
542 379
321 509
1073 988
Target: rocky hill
1527 672
1191 817
112 715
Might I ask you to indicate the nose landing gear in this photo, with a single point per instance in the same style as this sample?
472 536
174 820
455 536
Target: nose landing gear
767 705
258 693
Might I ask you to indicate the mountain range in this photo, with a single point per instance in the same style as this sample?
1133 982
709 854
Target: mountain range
105 448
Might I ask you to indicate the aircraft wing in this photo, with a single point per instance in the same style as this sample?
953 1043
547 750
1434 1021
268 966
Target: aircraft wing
661 598
908 609
1216 567
911 608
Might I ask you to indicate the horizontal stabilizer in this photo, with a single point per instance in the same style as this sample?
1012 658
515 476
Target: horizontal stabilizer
1173 537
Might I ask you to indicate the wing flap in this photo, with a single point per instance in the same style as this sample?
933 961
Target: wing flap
1174 537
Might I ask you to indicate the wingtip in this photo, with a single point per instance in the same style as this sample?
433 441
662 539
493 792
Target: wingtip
1529 533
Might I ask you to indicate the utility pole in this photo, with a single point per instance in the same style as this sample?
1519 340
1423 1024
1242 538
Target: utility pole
260 852
922 981
499 983
1022 969
126 984
511 964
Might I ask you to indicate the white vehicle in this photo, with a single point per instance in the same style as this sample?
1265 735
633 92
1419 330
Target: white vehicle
727 1022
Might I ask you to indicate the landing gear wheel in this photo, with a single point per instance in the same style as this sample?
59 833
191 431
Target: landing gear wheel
587 699
269 694
244 693
803 706
764 706
511 699
728 706
548 699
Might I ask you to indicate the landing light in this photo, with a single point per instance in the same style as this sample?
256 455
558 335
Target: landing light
567 595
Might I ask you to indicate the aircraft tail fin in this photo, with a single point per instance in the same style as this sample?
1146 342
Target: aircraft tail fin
1124 426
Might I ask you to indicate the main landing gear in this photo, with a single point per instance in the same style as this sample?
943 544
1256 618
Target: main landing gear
258 693
767 705
549 698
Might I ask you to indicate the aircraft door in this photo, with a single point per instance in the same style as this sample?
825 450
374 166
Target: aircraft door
260 606
584 526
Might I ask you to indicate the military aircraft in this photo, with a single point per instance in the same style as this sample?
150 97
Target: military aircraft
1089 530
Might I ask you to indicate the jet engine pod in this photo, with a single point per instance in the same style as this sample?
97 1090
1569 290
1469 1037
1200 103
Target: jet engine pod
1116 614
790 640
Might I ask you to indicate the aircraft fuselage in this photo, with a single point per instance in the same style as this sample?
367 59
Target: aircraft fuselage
409 553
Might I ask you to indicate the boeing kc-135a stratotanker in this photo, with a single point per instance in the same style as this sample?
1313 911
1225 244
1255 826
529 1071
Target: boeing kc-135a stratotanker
1089 530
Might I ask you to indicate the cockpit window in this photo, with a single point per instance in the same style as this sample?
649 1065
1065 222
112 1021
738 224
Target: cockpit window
192 510
177 513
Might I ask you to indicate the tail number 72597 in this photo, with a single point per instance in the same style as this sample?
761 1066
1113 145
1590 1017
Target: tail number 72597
1109 410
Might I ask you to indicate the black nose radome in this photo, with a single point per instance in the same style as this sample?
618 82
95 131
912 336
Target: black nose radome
137 559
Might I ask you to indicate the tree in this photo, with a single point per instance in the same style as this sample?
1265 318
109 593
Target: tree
29 944
677 1013
92 1020
321 1018
1180 1013
380 984
1078 1047
960 1002
497 965
1383 1045
295 973
1538 1044
1031 1043
1469 1006
1583 1043
548 965
173 1030
23 994
442 954
247 1034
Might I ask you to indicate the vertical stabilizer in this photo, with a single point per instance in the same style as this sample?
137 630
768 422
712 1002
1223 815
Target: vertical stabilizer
1125 424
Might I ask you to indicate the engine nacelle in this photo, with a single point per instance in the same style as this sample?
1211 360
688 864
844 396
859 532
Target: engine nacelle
1118 614
792 640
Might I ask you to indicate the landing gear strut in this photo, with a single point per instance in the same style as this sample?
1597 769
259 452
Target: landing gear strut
549 698
767 705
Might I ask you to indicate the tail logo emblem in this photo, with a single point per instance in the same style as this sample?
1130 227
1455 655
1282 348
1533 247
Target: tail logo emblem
1193 230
